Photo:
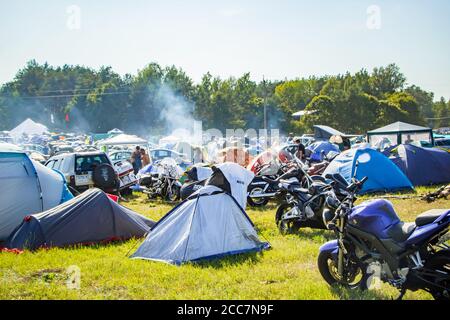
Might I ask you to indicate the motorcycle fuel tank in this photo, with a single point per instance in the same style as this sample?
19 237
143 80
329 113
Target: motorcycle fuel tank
374 216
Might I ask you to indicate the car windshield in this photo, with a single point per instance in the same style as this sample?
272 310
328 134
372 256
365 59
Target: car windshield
88 163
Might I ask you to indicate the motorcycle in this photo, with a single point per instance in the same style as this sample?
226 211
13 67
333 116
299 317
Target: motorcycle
319 168
304 202
264 186
373 243
163 183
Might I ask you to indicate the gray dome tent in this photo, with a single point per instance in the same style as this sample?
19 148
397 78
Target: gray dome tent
91 217
211 223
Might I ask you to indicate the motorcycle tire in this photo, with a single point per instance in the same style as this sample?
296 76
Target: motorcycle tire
256 202
328 270
174 195
283 226
440 261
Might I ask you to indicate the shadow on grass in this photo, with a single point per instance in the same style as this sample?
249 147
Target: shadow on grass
267 207
356 294
313 234
232 260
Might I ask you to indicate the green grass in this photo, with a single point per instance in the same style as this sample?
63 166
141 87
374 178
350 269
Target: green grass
287 271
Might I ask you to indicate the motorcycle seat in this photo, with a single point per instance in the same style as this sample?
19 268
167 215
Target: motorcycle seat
401 231
429 216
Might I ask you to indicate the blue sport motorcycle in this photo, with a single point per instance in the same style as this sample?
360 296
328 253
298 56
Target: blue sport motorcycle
373 242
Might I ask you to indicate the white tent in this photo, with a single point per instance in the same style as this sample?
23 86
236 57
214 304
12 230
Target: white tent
115 131
169 140
26 187
28 127
209 224
123 139
8 147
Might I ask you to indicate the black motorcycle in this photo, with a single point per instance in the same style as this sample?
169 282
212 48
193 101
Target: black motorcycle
304 202
263 188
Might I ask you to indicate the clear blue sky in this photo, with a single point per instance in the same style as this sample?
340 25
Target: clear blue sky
277 39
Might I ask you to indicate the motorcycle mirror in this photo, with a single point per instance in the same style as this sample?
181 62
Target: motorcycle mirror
356 169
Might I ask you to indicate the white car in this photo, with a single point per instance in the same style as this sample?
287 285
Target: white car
84 170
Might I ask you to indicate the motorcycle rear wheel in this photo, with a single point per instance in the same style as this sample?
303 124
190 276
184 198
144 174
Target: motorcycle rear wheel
256 202
440 262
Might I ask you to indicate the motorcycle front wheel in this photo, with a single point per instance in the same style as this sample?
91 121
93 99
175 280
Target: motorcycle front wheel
173 194
355 277
285 226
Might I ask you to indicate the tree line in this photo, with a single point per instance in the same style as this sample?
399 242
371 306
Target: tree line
80 98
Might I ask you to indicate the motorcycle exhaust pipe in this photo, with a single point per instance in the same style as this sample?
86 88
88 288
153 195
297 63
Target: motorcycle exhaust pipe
262 195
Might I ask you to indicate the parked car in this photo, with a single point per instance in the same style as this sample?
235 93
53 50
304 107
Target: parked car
122 155
84 170
160 154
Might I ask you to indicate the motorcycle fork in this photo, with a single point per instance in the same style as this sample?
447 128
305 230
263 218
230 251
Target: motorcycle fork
342 250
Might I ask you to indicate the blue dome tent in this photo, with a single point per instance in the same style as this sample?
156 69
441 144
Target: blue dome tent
319 146
26 187
423 166
383 175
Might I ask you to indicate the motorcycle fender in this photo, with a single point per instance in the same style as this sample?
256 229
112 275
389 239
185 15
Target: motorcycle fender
332 247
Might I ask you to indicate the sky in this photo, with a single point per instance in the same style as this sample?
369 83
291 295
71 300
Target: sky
283 39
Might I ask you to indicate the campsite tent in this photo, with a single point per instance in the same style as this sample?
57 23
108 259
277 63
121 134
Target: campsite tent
26 187
91 217
423 166
319 146
398 133
9 147
382 174
28 127
169 141
326 132
234 154
210 223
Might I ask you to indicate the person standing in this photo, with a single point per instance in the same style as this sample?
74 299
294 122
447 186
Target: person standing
300 149
136 160
145 158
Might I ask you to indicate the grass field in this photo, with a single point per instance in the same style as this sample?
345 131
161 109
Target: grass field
287 271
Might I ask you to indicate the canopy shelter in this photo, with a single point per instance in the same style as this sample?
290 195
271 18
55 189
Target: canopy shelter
399 133
28 127
26 187
91 217
123 139
211 223
301 113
